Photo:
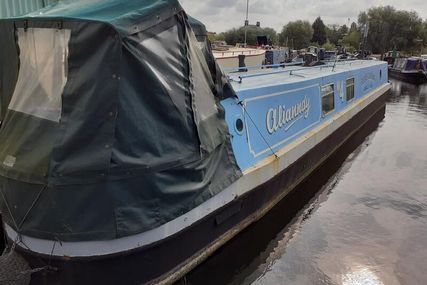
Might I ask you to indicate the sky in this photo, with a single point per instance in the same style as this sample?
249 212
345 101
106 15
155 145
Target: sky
221 15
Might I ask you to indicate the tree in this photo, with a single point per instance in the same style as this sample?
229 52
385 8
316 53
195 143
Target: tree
319 32
328 46
353 27
297 34
353 39
234 36
424 36
390 28
333 34
343 31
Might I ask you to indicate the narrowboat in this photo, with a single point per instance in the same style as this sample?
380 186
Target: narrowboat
412 70
127 156
231 58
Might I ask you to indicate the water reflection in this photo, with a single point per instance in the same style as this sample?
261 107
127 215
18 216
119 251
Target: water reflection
361 276
362 219
371 227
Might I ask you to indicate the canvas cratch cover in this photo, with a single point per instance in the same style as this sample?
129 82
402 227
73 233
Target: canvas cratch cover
111 122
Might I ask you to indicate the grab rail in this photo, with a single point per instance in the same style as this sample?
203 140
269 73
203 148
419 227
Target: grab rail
241 77
329 65
255 67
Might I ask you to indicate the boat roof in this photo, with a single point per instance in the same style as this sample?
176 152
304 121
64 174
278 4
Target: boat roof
263 78
123 17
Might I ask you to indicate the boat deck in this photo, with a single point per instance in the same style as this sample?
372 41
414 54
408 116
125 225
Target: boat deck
257 77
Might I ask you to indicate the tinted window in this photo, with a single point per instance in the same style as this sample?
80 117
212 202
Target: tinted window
349 88
411 64
328 104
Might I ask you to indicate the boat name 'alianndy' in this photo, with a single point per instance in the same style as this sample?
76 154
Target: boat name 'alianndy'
281 116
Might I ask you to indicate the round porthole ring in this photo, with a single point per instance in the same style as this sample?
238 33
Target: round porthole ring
239 125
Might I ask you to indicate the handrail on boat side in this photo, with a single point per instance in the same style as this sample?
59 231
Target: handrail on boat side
255 67
241 77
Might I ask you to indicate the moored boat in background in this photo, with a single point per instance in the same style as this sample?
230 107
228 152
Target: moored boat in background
230 58
412 69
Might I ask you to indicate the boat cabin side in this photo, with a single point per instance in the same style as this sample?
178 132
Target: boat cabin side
264 119
410 65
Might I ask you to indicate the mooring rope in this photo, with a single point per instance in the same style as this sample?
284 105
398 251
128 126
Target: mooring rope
14 267
32 206
8 208
256 127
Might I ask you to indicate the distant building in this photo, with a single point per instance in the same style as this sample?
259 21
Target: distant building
257 25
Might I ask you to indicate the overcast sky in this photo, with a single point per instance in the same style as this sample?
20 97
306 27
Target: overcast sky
221 15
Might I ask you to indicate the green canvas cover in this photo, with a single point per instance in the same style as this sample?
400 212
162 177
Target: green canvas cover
111 122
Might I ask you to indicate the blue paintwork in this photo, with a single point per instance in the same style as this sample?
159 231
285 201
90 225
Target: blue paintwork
262 96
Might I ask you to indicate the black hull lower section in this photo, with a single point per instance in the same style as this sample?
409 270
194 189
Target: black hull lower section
151 264
2 240
253 246
414 78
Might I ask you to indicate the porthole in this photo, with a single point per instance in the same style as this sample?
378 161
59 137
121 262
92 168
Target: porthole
239 125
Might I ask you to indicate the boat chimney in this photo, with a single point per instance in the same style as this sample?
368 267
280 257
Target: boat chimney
242 65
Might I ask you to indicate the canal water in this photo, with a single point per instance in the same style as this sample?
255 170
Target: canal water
361 220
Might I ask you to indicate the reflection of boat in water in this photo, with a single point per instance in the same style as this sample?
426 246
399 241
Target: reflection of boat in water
230 58
412 70
149 158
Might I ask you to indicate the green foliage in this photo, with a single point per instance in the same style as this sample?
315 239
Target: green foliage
343 31
390 28
353 27
333 34
235 36
319 31
351 49
296 34
424 33
352 39
328 46
214 37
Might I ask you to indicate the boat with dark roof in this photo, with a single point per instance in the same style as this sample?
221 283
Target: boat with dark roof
127 156
412 69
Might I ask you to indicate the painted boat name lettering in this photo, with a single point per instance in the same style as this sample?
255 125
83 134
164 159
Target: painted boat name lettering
281 116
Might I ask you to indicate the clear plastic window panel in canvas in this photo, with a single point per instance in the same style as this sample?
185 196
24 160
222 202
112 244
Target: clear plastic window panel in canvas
43 72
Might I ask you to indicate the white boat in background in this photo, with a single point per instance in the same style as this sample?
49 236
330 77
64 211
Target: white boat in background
230 58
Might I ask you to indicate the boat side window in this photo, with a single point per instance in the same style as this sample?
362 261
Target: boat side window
349 89
411 64
400 63
43 72
328 103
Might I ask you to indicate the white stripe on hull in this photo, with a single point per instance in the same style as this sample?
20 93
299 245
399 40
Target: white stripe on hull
252 177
